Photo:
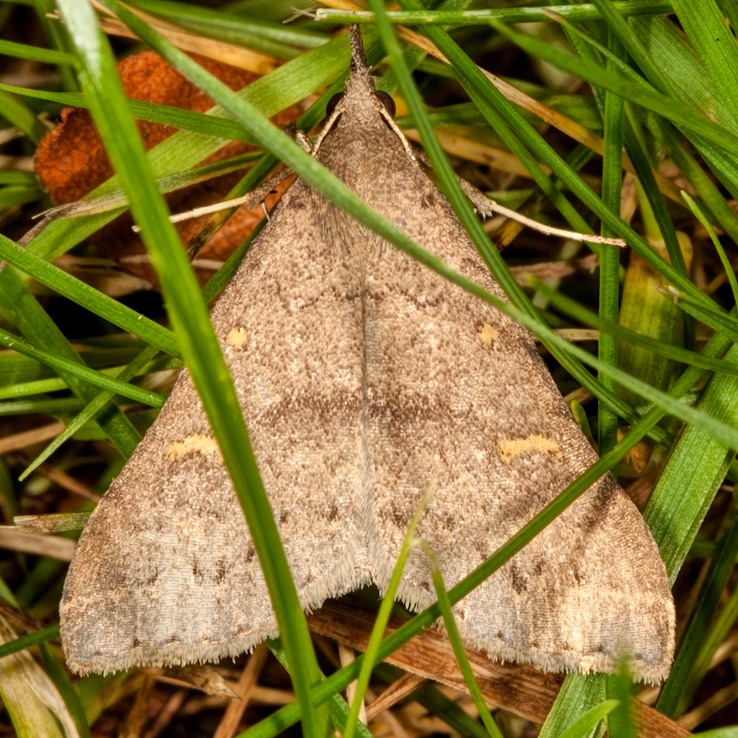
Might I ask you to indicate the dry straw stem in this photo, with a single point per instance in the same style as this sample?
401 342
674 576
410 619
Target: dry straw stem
244 691
23 439
236 56
397 691
13 538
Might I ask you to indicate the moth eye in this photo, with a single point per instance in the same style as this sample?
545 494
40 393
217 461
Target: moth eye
332 103
387 101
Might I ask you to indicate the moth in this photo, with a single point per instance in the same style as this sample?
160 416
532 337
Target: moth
364 379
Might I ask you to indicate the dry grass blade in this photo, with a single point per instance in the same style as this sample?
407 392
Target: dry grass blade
236 56
244 690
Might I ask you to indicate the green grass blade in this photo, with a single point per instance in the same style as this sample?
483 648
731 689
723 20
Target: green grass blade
18 115
380 625
30 698
91 410
21 308
579 696
81 293
729 273
267 36
80 371
574 310
199 345
607 348
712 40
42 635
32 53
649 99
338 707
458 647
586 723
621 721
523 14
680 686
683 493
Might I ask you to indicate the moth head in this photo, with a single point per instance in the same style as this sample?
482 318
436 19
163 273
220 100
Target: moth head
384 99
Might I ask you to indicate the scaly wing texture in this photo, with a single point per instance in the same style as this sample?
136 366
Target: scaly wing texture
366 379
459 400
165 571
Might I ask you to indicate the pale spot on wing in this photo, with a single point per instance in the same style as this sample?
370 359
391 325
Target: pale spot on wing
237 337
195 444
512 447
487 334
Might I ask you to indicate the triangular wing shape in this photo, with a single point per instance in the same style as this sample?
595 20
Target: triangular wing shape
165 572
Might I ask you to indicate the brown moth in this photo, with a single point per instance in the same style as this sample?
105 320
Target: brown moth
365 378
